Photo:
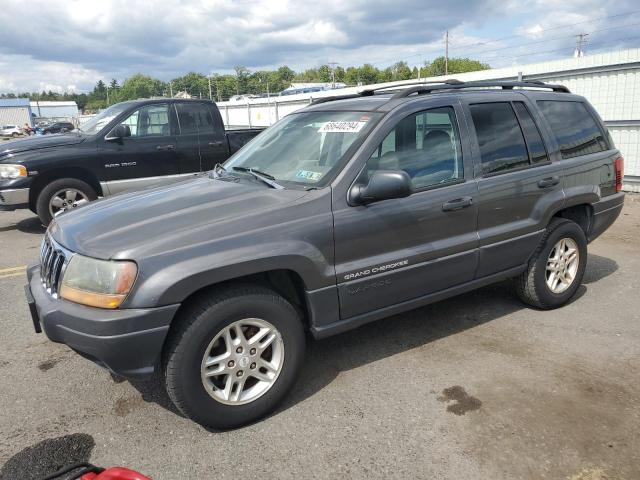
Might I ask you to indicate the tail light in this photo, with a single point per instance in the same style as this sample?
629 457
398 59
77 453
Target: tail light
619 168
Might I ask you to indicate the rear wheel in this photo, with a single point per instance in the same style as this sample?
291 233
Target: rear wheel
556 269
62 196
233 356
15 134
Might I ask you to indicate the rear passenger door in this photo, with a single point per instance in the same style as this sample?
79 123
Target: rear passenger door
517 181
201 143
400 249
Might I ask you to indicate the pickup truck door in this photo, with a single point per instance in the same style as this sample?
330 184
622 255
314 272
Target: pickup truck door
147 157
518 184
397 250
202 142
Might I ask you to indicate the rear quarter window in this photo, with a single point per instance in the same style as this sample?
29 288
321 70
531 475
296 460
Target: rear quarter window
575 129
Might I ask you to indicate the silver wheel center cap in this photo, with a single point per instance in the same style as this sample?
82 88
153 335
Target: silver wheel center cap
243 361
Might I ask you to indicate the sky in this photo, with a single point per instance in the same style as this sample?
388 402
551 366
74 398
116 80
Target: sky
70 45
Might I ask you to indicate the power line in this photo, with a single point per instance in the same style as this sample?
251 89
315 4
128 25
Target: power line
546 40
633 12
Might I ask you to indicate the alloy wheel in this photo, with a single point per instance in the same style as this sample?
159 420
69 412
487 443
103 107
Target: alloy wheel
562 265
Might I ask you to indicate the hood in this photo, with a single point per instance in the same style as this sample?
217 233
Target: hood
37 142
162 219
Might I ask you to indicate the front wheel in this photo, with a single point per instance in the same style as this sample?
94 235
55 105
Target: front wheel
62 196
233 356
556 269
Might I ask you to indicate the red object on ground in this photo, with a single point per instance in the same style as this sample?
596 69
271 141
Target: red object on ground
115 473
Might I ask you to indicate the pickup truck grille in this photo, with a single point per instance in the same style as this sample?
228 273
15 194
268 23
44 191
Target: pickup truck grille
53 260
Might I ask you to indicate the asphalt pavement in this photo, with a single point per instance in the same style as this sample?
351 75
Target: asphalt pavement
474 387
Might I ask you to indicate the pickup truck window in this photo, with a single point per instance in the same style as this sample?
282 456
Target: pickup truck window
426 145
194 118
574 127
305 148
152 120
502 146
97 123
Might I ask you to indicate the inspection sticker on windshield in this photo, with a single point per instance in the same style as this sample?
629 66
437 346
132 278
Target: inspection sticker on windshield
342 127
307 175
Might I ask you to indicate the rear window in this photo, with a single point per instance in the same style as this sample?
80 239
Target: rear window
575 129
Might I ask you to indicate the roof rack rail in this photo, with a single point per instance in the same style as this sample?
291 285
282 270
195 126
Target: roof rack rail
371 91
506 85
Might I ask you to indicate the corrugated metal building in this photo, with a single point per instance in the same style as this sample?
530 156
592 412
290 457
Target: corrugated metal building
51 109
15 111
611 82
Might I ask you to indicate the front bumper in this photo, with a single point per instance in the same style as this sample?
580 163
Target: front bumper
14 198
128 342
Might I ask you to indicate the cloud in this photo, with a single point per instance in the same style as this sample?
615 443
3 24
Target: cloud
77 42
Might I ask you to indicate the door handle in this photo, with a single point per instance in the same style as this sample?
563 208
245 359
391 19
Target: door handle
549 182
166 147
457 204
215 144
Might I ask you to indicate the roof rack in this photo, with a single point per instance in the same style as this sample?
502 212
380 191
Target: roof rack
421 87
506 85
371 91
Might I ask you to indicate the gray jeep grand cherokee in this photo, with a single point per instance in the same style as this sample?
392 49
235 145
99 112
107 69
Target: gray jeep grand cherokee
347 211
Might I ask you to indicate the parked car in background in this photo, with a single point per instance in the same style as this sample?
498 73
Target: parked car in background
344 212
58 127
128 146
10 131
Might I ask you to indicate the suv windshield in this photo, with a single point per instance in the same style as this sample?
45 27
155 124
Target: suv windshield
95 124
305 148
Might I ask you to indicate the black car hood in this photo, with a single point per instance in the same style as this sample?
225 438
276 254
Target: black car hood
163 219
37 142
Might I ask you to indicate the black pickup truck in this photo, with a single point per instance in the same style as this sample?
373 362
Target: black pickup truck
344 212
128 146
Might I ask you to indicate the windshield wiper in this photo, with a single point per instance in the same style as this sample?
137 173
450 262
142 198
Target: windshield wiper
264 177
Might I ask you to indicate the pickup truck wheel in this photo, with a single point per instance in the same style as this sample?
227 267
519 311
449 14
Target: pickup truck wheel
233 356
61 196
556 269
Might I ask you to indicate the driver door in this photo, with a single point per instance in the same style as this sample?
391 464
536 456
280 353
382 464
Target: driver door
398 250
148 156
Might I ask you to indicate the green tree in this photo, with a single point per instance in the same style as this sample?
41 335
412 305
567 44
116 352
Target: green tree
455 65
141 86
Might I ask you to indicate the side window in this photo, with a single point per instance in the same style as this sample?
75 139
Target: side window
149 121
426 145
502 146
194 118
574 127
537 151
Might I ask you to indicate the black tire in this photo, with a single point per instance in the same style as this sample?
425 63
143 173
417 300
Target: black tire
15 135
531 285
198 325
45 195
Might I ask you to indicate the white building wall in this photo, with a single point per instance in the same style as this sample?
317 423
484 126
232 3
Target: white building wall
14 116
610 81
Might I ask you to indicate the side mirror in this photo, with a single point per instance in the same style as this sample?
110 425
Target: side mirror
119 131
382 185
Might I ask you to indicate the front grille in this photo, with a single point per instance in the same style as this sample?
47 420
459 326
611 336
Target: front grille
53 260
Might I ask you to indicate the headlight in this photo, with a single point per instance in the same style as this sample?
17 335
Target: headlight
12 171
97 283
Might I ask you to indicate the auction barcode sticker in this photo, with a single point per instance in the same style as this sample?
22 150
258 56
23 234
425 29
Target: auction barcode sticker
342 127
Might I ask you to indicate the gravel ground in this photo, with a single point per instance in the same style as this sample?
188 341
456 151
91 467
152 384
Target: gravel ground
475 387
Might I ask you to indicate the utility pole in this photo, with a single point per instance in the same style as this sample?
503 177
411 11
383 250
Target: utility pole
210 96
171 89
446 52
581 40
333 73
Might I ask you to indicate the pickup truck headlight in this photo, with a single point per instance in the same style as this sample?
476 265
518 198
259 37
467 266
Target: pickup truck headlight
97 283
12 171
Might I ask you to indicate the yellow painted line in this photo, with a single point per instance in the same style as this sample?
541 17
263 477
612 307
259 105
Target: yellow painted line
8 275
21 268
